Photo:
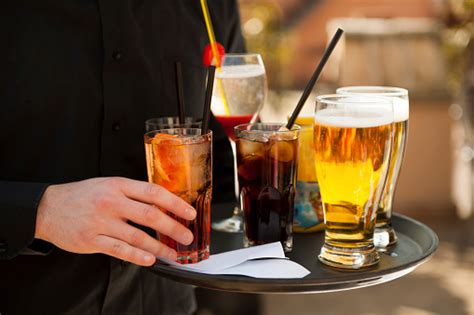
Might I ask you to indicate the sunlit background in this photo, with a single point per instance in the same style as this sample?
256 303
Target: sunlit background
425 46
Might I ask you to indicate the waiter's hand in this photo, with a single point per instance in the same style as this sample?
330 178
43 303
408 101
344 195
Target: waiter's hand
91 216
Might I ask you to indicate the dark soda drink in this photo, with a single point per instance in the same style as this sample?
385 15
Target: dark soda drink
267 160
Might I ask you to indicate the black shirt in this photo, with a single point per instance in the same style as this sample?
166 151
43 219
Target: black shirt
78 79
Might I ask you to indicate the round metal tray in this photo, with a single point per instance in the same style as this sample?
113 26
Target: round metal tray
416 243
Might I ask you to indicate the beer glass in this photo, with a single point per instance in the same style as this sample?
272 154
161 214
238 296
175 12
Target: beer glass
384 233
352 140
180 160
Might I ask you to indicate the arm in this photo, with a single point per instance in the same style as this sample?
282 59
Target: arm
91 216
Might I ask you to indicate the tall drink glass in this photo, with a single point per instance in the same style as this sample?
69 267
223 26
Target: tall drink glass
352 140
180 160
267 164
240 90
384 234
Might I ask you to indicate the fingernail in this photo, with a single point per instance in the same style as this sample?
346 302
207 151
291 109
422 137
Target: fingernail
148 258
172 255
190 212
187 238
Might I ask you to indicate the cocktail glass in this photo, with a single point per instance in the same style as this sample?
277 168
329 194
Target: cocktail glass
239 93
180 160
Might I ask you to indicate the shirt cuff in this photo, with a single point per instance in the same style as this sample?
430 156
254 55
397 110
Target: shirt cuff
18 207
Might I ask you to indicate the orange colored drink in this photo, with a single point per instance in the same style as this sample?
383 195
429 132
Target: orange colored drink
180 160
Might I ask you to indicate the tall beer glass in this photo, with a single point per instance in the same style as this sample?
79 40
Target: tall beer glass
352 139
384 233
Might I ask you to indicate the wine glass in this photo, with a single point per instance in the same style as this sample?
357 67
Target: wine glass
240 90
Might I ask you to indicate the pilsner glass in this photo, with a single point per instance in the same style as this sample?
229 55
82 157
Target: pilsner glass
384 233
352 139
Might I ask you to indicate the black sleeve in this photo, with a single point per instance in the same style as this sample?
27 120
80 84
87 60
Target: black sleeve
227 22
223 165
234 42
18 205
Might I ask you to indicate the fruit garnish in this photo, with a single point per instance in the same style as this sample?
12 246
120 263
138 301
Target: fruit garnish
208 56
171 162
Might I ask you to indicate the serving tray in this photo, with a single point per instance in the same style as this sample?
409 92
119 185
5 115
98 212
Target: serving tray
416 244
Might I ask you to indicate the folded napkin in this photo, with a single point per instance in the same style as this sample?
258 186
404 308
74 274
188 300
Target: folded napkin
264 261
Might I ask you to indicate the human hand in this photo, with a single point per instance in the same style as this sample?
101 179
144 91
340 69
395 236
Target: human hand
91 216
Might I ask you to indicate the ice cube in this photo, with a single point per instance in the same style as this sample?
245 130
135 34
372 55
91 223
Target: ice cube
255 136
279 136
247 147
282 151
199 165
250 166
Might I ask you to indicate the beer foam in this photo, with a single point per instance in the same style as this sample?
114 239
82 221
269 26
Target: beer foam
401 109
352 119
240 71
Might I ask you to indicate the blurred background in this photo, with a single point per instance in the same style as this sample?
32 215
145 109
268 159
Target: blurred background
425 46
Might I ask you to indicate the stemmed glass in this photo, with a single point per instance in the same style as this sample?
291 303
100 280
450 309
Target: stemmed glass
240 90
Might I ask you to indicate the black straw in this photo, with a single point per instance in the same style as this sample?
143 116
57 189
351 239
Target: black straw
180 91
207 101
309 87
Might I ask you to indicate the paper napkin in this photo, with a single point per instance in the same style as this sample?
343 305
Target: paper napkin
264 261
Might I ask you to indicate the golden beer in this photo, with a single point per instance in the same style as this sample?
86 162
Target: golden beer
352 151
384 234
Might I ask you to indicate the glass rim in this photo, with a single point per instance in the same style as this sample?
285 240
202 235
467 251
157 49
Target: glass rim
383 90
243 127
173 117
168 130
367 100
242 55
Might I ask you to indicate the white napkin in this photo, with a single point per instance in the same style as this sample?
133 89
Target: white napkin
264 261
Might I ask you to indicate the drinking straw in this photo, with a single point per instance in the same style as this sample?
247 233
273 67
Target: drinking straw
180 91
215 52
210 32
207 100
317 72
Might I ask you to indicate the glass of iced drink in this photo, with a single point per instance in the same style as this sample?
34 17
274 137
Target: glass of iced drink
171 122
267 157
180 160
309 216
